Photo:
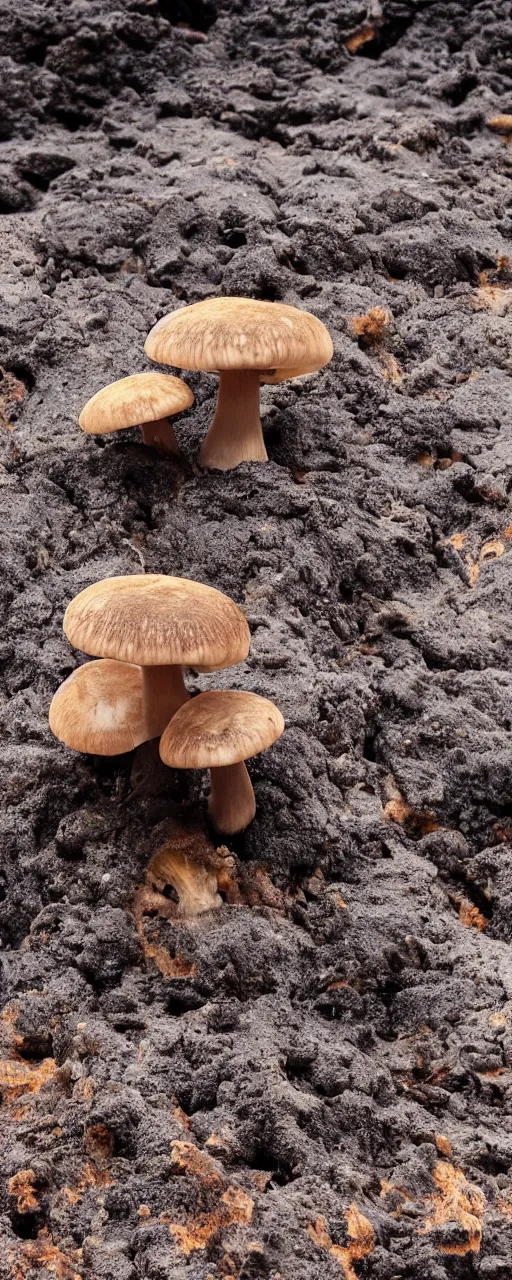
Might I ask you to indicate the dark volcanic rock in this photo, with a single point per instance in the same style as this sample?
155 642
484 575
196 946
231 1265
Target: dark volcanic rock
315 1080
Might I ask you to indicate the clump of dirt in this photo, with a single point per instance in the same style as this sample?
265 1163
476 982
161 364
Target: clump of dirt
310 1078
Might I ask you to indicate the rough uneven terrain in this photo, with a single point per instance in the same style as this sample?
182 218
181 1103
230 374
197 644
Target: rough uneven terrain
314 1081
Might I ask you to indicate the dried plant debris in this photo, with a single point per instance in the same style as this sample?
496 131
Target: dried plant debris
282 1053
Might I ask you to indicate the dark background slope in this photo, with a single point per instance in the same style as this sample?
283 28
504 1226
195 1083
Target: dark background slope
344 1029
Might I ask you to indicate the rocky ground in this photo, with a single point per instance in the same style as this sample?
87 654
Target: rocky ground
315 1080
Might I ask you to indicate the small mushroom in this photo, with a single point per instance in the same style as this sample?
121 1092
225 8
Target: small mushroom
218 731
247 342
99 709
143 399
161 624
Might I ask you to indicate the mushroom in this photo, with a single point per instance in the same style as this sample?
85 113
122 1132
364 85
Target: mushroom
143 399
218 731
99 709
159 623
247 342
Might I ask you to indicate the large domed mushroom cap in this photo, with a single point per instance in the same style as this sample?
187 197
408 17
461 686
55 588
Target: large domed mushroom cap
217 729
133 401
155 620
222 334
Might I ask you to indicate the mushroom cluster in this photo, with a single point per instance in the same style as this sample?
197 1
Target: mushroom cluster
143 630
245 341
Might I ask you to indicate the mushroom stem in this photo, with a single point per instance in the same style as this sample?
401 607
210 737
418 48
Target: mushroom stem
160 435
163 692
235 434
232 803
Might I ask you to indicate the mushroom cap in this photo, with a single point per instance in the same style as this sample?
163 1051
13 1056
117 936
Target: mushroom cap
217 729
130 402
99 709
241 333
154 620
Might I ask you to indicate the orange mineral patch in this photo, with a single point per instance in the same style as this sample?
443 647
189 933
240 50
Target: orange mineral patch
42 1254
234 1206
471 916
370 327
362 36
219 1141
181 1118
457 1201
22 1186
361 1239
261 1179
187 1158
398 810
99 1142
443 1145
395 1195
260 891
492 550
148 902
501 124
17 1077
472 570
230 1204
91 1176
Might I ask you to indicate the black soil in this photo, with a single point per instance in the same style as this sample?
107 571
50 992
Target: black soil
330 1051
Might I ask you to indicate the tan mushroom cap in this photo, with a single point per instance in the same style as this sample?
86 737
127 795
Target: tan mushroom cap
217 729
99 709
130 402
155 620
222 334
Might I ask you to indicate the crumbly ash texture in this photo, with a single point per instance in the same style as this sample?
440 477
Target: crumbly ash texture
311 1081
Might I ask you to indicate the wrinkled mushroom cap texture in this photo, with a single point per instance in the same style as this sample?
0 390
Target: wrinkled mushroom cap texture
222 334
218 729
155 620
130 402
99 709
